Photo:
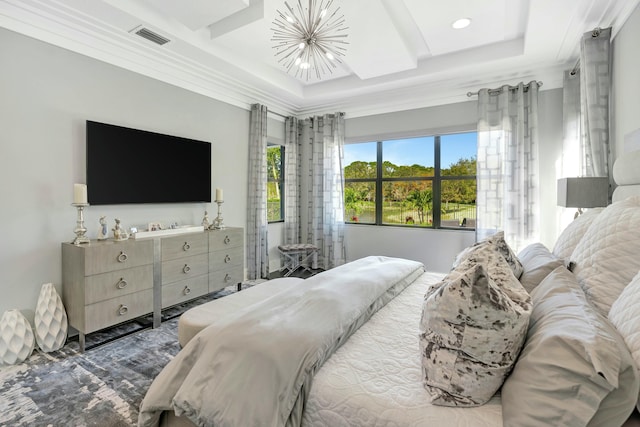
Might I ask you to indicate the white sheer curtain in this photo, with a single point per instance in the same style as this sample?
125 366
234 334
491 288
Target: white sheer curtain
257 245
508 170
292 179
325 187
571 125
595 89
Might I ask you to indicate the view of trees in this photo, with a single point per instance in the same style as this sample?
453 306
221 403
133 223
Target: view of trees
274 180
409 201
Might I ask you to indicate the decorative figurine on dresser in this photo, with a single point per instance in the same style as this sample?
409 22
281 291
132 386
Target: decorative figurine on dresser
205 221
118 232
103 231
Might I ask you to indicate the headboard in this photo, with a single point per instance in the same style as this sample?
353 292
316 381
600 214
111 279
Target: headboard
626 173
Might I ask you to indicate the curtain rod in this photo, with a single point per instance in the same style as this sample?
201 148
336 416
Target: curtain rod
276 114
499 89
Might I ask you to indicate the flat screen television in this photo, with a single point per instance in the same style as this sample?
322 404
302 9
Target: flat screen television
127 166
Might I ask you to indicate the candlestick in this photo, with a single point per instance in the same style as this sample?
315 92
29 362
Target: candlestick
219 195
80 229
79 194
218 223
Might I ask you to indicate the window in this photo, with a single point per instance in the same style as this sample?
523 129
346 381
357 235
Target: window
427 181
275 183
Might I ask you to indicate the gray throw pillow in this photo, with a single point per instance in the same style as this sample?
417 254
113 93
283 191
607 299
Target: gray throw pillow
537 262
574 369
471 332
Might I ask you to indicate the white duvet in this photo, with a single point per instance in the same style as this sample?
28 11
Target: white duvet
375 378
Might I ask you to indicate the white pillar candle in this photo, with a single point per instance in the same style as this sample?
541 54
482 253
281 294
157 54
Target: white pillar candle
80 194
219 195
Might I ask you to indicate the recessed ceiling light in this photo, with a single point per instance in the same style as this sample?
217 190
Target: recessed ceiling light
461 23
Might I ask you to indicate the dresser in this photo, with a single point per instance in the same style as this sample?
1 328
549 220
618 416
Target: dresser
105 283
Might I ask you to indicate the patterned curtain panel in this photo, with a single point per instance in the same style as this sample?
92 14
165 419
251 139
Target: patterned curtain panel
571 130
292 179
595 89
325 221
508 171
257 247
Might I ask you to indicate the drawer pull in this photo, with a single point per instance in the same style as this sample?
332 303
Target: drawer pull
227 278
186 290
123 310
227 240
122 257
186 246
121 283
186 269
227 259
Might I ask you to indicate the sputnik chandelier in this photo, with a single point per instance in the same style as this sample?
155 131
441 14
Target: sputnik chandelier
309 38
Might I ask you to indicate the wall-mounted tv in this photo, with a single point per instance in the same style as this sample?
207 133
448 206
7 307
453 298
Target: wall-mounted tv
127 165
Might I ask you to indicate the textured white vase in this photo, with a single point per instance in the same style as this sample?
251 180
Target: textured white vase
50 320
16 338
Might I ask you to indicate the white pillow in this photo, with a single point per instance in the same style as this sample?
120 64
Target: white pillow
570 236
607 257
625 316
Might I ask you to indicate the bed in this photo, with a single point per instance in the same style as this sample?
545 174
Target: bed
577 363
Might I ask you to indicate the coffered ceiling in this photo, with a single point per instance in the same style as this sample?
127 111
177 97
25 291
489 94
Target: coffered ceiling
402 54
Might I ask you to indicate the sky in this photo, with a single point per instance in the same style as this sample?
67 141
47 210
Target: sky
415 150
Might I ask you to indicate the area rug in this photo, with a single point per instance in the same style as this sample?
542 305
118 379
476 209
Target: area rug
101 387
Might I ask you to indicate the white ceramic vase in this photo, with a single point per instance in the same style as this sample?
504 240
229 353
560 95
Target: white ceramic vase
16 338
50 320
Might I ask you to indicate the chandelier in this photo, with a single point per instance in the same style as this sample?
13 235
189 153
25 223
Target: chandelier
310 38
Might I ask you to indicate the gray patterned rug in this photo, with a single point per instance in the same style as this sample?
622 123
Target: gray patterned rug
101 387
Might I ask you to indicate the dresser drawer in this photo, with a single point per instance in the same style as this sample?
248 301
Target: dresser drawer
110 256
184 246
184 268
226 258
104 286
184 290
225 277
117 310
227 238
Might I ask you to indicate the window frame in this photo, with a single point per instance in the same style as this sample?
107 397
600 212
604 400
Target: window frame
436 184
271 145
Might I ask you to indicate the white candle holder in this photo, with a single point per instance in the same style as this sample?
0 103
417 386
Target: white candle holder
80 229
218 223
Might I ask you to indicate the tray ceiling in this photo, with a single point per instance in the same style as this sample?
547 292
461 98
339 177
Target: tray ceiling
402 54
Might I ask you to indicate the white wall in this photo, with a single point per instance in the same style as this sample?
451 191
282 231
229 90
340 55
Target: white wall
46 94
626 84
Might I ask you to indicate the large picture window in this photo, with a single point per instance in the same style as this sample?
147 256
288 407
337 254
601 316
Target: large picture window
427 181
275 183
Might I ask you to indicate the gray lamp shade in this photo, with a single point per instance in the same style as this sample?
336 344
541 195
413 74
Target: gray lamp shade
583 192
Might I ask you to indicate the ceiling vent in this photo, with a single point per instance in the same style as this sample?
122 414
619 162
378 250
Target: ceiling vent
150 35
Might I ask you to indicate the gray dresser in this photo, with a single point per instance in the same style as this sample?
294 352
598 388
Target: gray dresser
105 283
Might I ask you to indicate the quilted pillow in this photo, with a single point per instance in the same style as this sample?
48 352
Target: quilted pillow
496 241
624 316
570 236
606 258
470 334
537 263
574 369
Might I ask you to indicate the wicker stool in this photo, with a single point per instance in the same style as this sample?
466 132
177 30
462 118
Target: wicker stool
297 255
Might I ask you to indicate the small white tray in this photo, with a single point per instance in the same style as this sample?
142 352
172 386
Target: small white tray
169 231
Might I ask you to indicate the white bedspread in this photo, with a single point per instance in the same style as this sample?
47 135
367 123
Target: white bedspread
375 378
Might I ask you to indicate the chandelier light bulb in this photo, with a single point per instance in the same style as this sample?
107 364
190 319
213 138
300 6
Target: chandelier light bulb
309 35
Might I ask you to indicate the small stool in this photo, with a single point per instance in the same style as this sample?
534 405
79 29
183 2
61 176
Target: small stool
297 255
